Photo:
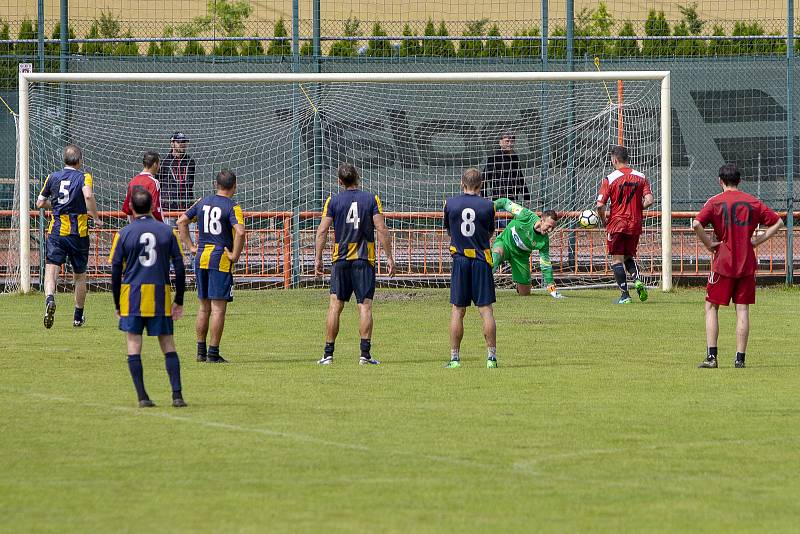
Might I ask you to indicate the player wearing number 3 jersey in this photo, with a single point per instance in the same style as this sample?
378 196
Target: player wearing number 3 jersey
469 219
355 215
221 226
141 256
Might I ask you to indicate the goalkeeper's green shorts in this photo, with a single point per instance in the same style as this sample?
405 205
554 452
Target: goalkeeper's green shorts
520 260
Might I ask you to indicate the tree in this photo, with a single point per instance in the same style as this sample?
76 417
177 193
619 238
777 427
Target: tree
93 49
430 47
446 47
473 47
227 18
347 48
719 47
656 26
27 51
689 25
165 48
252 47
379 47
557 48
284 47
409 47
495 47
194 48
626 47
590 23
692 19
126 48
8 75
54 49
526 47
306 49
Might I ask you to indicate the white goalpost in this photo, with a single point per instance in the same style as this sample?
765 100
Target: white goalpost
410 134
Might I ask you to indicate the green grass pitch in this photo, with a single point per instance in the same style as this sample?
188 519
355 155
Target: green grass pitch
597 420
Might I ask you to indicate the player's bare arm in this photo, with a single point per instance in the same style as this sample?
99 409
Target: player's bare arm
238 243
647 201
183 231
91 205
385 240
319 244
768 233
701 234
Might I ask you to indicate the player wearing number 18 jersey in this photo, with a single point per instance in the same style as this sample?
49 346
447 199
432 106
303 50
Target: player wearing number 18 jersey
734 216
355 215
469 219
630 194
221 240
141 255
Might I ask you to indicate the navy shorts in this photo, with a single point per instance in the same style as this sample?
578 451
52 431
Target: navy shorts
471 281
348 277
61 248
156 326
214 285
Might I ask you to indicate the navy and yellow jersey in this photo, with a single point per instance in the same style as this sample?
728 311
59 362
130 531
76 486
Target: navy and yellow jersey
64 189
216 216
144 251
354 232
469 219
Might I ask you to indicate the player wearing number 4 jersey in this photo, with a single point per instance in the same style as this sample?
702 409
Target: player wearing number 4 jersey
70 195
630 194
356 216
734 216
222 233
469 219
141 255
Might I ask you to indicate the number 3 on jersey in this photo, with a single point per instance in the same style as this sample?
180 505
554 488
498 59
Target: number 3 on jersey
148 256
468 222
352 215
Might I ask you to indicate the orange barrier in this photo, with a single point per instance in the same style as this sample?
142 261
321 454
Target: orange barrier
422 248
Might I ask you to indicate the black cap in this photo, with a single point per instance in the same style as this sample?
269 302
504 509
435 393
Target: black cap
180 137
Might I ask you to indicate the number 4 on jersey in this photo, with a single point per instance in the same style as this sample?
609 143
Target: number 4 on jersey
352 215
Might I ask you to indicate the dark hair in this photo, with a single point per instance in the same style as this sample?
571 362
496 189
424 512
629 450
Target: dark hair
551 214
348 174
150 158
72 155
507 133
729 174
621 153
141 201
226 179
472 179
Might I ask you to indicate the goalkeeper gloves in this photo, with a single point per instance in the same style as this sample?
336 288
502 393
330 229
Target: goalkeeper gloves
554 292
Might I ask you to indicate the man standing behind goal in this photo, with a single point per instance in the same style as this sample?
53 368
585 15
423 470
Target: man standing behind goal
356 216
630 194
734 216
469 219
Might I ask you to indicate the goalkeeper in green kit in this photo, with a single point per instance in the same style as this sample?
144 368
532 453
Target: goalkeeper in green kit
525 233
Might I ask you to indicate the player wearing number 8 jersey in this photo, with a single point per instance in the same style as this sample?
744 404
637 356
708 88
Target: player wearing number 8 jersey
734 216
222 231
355 215
469 219
141 255
630 194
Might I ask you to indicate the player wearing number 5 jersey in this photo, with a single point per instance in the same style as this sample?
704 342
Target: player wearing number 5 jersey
734 216
70 195
629 193
222 232
355 215
141 256
469 219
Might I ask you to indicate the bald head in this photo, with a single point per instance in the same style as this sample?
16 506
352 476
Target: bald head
72 156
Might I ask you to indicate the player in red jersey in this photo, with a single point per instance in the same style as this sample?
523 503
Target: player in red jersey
734 215
630 194
146 179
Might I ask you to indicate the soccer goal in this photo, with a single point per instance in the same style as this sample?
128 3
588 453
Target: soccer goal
411 135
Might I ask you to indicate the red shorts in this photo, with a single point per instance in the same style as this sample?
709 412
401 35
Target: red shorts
722 289
620 244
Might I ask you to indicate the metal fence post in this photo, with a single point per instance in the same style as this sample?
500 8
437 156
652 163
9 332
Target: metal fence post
545 162
41 236
298 145
790 142
317 55
571 178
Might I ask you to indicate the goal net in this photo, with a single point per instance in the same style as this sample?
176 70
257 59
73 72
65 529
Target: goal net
410 135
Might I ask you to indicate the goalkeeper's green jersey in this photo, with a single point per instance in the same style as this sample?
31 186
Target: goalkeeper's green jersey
520 234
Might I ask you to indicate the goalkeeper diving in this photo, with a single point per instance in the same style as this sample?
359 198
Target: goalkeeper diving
525 233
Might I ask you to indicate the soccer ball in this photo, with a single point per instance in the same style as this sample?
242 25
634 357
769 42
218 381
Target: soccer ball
588 219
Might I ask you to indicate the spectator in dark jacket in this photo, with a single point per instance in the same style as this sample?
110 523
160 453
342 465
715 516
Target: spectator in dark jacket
177 177
502 177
